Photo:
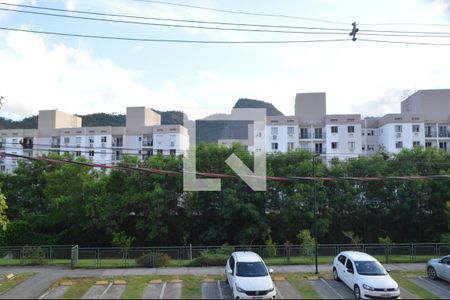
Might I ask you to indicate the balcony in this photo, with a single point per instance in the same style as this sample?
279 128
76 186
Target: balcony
146 143
117 141
304 136
320 136
444 134
27 143
430 134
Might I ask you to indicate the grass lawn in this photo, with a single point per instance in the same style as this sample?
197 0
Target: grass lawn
6 284
294 260
298 281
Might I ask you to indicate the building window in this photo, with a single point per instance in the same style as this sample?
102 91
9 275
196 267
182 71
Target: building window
371 147
91 153
78 139
2 168
399 145
351 146
304 133
334 129
415 128
351 129
274 146
427 144
140 138
91 140
14 141
334 145
103 139
416 143
274 130
290 130
173 152
443 145
318 133
67 140
398 128
290 146
159 152
77 153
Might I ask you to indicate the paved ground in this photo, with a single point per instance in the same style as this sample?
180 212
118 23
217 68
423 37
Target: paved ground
437 287
47 275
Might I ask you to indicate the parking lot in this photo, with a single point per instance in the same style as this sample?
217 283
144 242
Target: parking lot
218 289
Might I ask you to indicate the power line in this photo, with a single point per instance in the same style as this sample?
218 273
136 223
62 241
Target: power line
405 24
169 25
171 19
221 175
403 42
170 40
242 12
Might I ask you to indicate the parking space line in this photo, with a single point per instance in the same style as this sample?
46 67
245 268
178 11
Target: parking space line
44 295
220 289
163 289
435 285
333 289
104 292
278 292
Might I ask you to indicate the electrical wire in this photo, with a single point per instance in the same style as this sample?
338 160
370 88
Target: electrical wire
220 175
171 40
172 19
402 42
242 12
170 25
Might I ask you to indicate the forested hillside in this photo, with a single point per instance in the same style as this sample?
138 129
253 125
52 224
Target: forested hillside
74 204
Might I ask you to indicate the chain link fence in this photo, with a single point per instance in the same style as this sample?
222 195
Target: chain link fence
111 257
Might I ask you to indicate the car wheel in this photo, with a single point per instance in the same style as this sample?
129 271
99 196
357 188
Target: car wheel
335 275
357 292
432 273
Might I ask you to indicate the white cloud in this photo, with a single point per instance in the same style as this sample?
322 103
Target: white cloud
38 76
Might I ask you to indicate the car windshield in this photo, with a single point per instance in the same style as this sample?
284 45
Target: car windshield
370 268
251 269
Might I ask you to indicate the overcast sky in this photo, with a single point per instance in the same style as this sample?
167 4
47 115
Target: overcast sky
82 76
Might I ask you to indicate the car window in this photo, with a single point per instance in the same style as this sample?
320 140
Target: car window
349 265
369 268
251 269
446 260
232 263
342 259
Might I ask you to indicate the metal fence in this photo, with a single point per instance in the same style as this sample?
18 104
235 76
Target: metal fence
97 257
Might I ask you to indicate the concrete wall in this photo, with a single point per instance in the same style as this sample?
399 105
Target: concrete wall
310 108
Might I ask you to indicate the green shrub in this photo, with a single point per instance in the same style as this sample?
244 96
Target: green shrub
34 256
307 241
271 250
153 260
209 259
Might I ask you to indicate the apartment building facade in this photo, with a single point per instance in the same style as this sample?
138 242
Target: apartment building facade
59 132
424 121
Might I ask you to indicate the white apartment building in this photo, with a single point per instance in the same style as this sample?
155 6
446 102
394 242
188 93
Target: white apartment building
424 121
59 132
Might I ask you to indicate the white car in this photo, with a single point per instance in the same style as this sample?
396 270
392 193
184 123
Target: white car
364 275
439 268
248 276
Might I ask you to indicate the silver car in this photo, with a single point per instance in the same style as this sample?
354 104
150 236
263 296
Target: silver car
439 268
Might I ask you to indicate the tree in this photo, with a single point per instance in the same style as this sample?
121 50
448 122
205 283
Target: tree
3 207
